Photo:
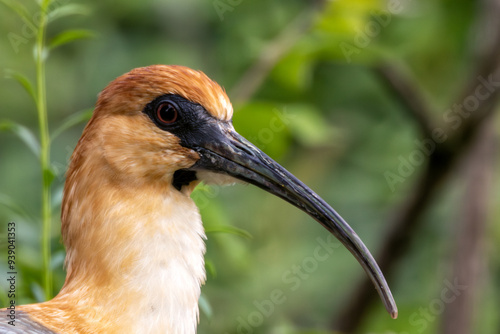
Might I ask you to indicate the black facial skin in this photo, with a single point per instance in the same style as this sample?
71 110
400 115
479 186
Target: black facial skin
223 150
183 177
193 127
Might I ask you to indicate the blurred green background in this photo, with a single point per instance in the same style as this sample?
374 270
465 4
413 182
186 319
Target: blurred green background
304 83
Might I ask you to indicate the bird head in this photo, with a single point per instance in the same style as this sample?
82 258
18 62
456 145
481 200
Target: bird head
142 118
171 126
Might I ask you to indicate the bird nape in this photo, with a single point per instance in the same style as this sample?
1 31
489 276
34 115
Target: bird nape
133 235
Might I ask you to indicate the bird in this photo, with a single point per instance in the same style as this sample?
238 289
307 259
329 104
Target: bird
134 237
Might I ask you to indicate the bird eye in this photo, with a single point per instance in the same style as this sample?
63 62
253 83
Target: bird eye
166 113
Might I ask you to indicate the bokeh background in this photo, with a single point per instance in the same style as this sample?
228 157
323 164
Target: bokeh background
385 108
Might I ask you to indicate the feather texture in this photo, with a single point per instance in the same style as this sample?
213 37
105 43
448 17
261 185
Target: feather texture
134 243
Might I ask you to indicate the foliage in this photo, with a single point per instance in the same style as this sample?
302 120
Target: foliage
321 112
41 147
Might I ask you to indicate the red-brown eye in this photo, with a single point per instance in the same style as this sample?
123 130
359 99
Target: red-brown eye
166 113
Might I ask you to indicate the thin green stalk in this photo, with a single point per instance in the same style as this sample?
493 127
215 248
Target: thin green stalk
44 148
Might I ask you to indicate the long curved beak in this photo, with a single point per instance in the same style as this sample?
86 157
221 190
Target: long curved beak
223 150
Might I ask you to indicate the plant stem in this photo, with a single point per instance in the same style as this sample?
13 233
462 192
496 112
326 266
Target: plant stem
44 148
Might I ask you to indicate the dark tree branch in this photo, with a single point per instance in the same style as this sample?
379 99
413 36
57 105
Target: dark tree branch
409 96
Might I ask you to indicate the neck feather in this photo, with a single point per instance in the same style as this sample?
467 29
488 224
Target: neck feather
134 255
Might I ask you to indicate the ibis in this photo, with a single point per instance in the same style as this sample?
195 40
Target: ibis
134 237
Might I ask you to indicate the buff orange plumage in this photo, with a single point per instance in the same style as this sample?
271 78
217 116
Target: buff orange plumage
133 236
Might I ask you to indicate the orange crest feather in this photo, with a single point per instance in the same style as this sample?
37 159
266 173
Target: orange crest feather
133 90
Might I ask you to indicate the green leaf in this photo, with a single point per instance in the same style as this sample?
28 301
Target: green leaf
69 36
18 8
24 134
228 229
309 127
67 10
294 71
205 306
48 176
263 125
23 80
72 120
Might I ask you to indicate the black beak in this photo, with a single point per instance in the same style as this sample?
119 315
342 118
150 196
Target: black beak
223 150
